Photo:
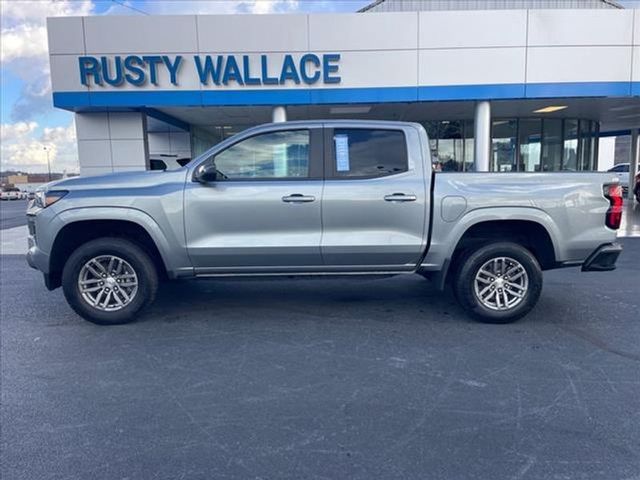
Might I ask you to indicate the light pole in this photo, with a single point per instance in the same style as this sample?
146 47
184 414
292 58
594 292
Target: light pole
46 149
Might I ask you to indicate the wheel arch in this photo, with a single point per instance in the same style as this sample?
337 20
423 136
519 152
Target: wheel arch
78 230
533 234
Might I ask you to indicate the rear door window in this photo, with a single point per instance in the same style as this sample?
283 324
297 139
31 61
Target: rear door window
368 153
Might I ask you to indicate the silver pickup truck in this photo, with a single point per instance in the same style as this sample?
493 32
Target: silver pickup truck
320 198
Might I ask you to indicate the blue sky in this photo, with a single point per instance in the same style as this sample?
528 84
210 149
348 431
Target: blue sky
29 121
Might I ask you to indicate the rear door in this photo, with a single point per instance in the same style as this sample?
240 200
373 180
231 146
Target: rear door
375 198
263 212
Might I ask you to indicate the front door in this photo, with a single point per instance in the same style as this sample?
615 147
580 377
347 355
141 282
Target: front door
262 213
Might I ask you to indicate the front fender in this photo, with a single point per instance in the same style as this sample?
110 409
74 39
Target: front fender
172 250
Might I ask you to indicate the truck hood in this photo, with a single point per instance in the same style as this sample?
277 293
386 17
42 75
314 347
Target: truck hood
139 179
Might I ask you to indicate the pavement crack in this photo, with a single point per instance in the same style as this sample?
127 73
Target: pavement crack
599 343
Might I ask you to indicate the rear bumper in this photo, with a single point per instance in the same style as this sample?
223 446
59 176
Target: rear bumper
603 258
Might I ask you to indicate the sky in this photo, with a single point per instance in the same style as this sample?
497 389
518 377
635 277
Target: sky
29 123
30 126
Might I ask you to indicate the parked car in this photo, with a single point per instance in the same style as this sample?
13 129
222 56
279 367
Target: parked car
622 172
321 198
11 193
167 162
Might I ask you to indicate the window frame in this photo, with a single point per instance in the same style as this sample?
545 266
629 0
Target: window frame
330 167
316 165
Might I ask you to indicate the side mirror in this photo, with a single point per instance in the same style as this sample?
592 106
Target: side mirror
207 172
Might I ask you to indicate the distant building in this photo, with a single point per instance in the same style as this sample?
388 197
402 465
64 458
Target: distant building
499 85
17 179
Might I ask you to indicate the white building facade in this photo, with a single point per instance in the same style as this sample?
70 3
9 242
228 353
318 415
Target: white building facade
500 90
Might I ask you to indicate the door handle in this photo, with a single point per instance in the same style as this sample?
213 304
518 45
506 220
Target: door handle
400 197
298 198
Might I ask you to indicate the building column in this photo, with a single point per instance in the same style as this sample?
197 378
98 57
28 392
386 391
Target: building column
633 161
111 142
482 136
279 114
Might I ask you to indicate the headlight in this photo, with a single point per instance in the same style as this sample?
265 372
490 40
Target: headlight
44 199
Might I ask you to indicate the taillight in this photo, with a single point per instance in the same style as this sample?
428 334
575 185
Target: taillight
613 193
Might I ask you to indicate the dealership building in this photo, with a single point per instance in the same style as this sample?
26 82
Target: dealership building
500 85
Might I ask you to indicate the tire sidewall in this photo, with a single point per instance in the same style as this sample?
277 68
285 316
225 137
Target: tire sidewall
464 284
128 251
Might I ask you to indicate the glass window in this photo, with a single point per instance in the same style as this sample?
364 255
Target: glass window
570 156
585 145
530 134
503 143
432 132
551 144
588 144
369 153
450 146
270 155
468 146
157 165
619 168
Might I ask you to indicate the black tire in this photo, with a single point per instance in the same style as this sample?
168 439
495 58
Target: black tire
143 266
473 261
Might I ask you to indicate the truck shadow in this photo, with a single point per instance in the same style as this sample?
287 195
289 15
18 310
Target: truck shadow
385 299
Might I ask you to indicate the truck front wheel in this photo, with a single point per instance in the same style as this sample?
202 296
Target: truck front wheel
498 283
109 281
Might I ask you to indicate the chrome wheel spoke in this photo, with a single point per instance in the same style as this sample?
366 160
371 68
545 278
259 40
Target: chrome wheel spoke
92 289
116 297
108 283
483 293
501 283
517 275
93 270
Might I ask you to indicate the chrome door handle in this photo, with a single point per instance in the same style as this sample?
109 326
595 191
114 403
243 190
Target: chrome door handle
298 198
400 197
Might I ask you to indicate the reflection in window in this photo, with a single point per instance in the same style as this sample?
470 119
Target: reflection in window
551 144
588 144
271 155
451 143
503 145
468 146
450 148
570 155
529 137
361 152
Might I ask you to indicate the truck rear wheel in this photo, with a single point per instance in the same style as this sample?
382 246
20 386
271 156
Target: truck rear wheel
109 281
498 283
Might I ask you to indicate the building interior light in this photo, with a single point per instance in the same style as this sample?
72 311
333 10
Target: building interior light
348 110
551 109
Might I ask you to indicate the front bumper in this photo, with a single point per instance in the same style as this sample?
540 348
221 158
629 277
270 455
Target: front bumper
603 258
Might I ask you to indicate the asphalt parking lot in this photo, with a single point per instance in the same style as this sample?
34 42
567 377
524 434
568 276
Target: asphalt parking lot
302 379
12 213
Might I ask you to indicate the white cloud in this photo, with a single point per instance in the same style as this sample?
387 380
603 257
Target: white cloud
24 50
24 53
220 6
16 131
23 149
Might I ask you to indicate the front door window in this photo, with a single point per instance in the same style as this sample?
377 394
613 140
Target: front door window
275 155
